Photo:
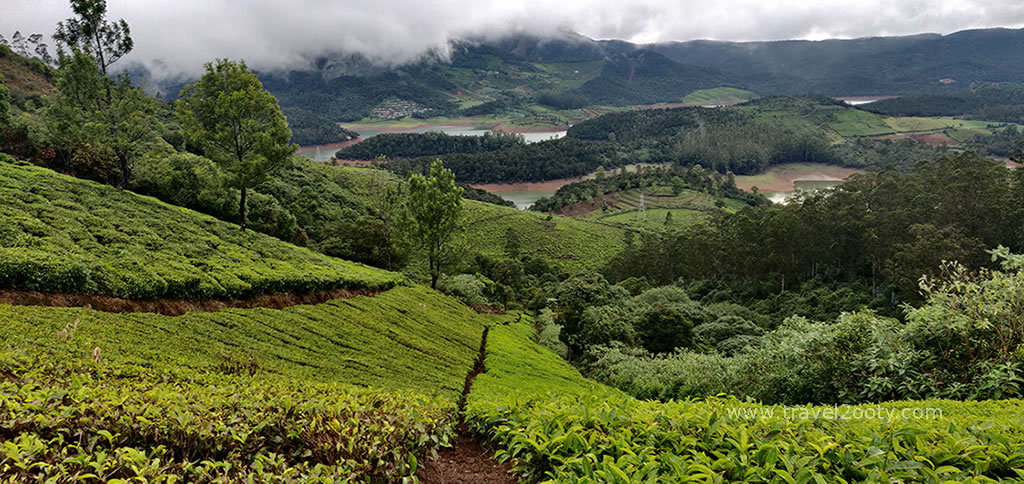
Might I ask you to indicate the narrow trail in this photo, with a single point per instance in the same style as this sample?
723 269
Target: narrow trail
174 307
469 462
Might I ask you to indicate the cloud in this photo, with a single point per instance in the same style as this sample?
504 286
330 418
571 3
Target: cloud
177 37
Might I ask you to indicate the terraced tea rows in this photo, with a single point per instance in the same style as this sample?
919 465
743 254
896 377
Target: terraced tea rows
65 419
61 234
557 426
402 339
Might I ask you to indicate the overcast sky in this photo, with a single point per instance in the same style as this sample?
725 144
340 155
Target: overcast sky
178 36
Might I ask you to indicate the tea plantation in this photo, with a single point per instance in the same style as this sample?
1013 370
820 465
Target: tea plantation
559 427
62 234
351 389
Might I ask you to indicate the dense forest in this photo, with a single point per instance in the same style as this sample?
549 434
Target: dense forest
879 231
410 145
546 160
995 102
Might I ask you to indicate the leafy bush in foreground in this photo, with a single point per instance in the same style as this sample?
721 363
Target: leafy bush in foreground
558 427
66 419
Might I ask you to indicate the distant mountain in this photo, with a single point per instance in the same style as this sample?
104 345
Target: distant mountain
870 66
567 70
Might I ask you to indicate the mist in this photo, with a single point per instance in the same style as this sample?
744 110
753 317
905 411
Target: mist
174 39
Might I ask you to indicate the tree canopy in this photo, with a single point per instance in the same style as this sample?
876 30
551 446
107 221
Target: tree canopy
434 204
237 123
91 33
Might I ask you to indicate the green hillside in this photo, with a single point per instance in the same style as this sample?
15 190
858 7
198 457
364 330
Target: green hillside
349 389
719 95
557 426
571 244
26 78
63 234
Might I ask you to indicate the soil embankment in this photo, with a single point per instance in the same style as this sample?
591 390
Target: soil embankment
173 307
470 461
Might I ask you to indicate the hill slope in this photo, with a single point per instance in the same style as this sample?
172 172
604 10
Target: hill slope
352 389
62 234
554 424
524 68
572 245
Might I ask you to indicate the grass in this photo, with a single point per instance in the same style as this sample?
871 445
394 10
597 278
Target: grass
62 234
854 122
917 124
719 95
686 208
557 427
966 133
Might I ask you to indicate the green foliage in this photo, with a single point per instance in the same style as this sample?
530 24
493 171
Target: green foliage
91 33
720 333
548 333
546 160
881 230
85 421
573 297
356 389
978 101
373 341
5 104
552 426
90 113
652 181
564 243
434 205
465 287
719 95
67 235
238 124
963 342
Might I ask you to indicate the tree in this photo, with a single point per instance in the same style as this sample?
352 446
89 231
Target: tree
678 185
237 123
5 103
434 205
91 33
90 108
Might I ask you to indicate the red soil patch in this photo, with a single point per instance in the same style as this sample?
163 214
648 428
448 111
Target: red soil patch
469 462
328 147
780 178
544 186
173 307
935 139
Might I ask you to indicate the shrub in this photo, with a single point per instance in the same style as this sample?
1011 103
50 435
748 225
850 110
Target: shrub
465 287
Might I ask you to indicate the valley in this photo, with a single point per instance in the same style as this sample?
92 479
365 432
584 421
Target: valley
513 257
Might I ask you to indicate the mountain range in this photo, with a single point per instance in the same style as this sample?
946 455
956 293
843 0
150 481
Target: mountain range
570 70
